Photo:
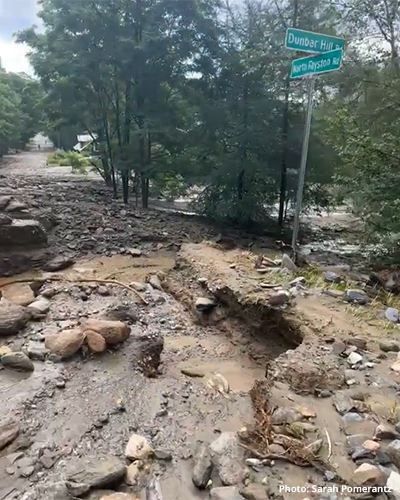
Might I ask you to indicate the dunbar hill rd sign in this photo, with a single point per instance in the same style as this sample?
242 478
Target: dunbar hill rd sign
315 43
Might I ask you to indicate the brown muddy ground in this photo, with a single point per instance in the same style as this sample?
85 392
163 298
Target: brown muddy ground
173 411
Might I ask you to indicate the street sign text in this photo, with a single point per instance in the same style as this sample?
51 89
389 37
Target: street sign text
312 65
316 43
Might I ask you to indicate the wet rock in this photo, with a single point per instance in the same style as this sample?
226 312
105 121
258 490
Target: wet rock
393 484
148 349
369 475
132 474
205 304
254 491
331 277
384 431
5 220
278 299
39 308
202 467
124 311
36 350
114 332
287 263
357 297
343 403
389 346
8 433
18 361
95 341
392 315
138 448
354 358
285 416
13 317
59 263
23 232
94 472
66 343
225 493
227 457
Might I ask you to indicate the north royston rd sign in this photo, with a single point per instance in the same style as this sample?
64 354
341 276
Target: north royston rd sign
316 43
312 65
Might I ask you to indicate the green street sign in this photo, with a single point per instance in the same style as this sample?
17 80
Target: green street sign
316 43
313 65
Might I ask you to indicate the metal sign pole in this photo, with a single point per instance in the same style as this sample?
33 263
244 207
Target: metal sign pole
303 163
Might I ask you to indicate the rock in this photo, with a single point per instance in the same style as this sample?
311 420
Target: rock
4 350
53 491
393 484
58 264
4 201
354 358
155 282
8 433
389 346
96 342
23 232
343 403
94 472
163 455
225 493
287 263
5 220
392 315
355 441
114 332
331 277
18 361
205 304
285 416
193 372
139 287
119 496
396 365
358 342
278 299
357 297
384 431
227 457
20 294
134 252
338 347
148 349
13 317
362 453
39 308
202 467
254 491
36 350
369 475
153 490
352 417
65 343
103 291
16 206
138 448
371 445
124 311
132 474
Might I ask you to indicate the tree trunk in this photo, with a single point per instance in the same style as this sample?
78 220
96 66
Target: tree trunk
125 185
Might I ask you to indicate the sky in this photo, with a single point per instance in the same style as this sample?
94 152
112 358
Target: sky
15 15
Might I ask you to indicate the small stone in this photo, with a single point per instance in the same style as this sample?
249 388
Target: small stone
331 277
355 441
103 290
58 264
8 432
39 308
11 470
4 350
278 299
138 448
96 342
392 314
60 384
369 475
352 417
65 343
133 474
254 491
371 445
361 453
28 471
13 317
134 252
384 431
358 342
393 484
287 263
17 361
36 350
357 297
193 372
338 347
163 455
202 466
155 282
139 287
225 493
343 403
354 358
205 304
114 332
389 346
298 281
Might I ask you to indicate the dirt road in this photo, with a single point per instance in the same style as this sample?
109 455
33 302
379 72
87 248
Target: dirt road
333 390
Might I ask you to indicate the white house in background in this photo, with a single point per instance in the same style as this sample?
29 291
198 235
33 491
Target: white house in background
84 141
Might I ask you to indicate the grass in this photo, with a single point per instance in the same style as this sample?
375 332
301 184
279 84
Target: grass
76 161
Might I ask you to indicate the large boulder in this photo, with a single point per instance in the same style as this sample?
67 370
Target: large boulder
13 317
59 263
114 332
23 232
227 457
65 343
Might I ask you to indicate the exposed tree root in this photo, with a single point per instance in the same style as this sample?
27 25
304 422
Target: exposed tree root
75 280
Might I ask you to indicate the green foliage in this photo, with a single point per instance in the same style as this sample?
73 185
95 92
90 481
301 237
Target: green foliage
76 161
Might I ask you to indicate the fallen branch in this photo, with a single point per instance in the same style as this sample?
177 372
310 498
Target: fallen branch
329 443
75 280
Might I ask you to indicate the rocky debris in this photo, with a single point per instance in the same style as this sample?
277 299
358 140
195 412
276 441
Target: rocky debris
18 361
65 343
384 431
23 232
357 297
96 342
392 315
138 448
204 304
5 220
278 299
59 263
227 457
148 349
13 317
114 332
369 475
8 433
94 472
225 493
287 263
389 346
331 277
202 467
39 308
124 311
